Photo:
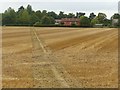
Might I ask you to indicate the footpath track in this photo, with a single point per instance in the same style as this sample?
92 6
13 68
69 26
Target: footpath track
45 68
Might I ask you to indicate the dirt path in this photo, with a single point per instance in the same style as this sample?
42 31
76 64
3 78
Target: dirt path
56 75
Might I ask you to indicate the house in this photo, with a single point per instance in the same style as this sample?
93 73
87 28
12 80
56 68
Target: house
68 21
114 22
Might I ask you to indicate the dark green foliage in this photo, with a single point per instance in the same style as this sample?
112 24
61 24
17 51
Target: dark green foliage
119 22
37 24
53 14
61 15
107 22
101 17
115 16
27 16
38 14
70 15
92 16
0 19
47 20
29 9
84 21
24 17
79 14
33 19
9 16
94 21
20 9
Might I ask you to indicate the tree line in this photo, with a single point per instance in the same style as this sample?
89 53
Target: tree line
27 16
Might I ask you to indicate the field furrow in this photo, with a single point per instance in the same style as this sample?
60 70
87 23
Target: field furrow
41 57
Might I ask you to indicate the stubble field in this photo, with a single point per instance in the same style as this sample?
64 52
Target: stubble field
39 57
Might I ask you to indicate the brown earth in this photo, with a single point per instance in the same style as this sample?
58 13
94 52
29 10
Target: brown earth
59 57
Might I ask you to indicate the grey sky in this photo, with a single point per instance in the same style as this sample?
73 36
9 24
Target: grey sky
87 6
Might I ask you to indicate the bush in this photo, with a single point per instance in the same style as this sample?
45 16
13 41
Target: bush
84 21
37 24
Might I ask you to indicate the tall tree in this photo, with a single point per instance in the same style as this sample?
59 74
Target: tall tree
53 14
0 19
116 16
20 9
70 15
9 16
52 20
33 19
47 20
44 13
101 17
38 14
107 22
24 18
61 15
94 21
29 9
84 21
92 16
79 14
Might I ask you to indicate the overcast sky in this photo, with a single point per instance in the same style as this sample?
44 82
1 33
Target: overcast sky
106 6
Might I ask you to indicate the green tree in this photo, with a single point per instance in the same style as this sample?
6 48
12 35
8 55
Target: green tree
101 17
94 21
115 16
92 16
20 9
84 21
61 15
70 15
37 24
52 20
107 22
9 16
47 20
33 19
24 18
38 14
52 14
119 21
44 13
28 16
79 14
0 19
29 9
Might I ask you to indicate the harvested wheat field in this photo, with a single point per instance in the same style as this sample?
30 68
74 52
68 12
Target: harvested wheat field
40 57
